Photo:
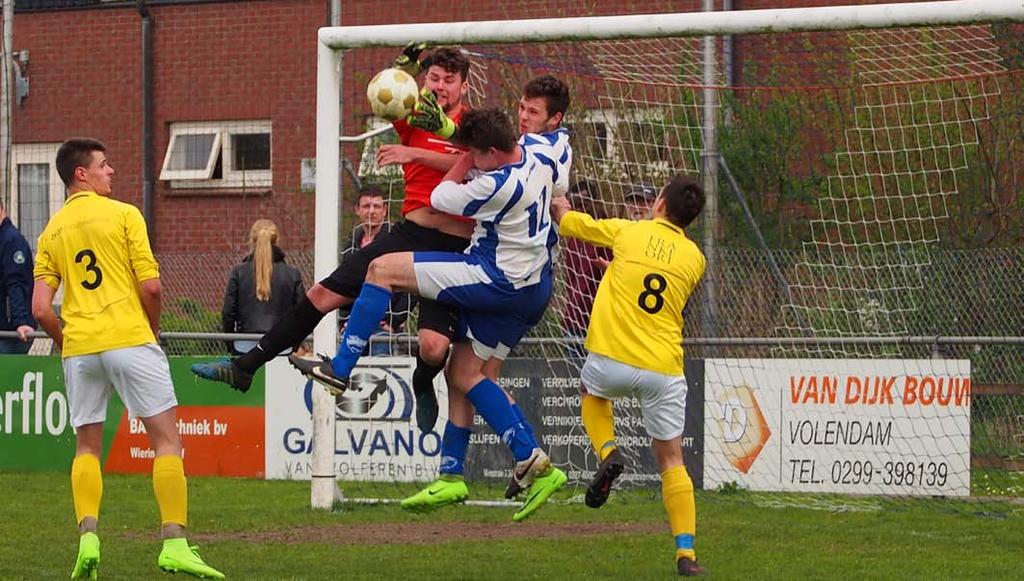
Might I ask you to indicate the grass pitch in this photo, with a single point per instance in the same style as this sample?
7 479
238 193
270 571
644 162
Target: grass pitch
253 529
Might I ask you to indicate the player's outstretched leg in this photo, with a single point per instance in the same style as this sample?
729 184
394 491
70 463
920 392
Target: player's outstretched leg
293 327
367 311
544 480
178 556
224 371
601 486
88 560
309 365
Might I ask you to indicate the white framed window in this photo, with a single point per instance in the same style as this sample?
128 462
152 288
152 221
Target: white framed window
615 140
36 190
219 154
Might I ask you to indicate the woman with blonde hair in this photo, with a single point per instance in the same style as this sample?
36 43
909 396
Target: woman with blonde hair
260 289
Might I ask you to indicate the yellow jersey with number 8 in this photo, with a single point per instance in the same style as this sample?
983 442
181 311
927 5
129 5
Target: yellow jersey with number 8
637 318
98 248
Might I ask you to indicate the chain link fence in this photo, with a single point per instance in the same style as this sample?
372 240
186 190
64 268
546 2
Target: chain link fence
966 293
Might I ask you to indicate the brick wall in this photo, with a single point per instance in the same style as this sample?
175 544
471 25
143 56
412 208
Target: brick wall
222 61
218 61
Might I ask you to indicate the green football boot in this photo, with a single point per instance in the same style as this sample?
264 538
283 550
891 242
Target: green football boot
448 489
178 556
543 486
88 557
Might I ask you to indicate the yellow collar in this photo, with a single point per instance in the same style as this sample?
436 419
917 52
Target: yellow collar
82 194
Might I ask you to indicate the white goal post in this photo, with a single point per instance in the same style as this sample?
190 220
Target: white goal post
332 40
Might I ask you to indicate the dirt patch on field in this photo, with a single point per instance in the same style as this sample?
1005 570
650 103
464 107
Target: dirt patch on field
426 533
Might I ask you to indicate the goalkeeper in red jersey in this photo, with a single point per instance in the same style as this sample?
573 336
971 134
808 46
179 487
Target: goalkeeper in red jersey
425 154
635 343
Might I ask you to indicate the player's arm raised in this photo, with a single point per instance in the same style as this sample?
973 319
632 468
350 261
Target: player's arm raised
409 59
583 226
401 154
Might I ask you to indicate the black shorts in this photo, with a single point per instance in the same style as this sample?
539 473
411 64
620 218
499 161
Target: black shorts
405 236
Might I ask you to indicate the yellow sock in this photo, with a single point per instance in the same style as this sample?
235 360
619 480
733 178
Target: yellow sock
677 494
86 486
599 423
171 489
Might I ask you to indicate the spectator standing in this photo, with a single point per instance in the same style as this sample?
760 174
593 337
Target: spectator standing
371 211
260 289
640 201
15 287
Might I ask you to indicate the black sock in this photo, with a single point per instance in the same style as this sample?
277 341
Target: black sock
290 330
423 376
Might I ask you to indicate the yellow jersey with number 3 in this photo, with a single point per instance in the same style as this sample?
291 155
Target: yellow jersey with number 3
98 248
637 316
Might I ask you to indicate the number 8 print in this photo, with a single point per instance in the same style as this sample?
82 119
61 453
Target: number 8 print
652 291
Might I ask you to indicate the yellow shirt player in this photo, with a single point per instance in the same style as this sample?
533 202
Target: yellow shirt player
635 343
97 248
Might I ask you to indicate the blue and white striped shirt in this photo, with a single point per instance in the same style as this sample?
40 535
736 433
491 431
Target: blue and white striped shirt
513 235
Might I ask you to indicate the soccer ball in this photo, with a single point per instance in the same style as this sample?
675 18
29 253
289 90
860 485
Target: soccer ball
392 94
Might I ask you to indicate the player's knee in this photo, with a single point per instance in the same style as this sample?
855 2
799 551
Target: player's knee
434 348
324 299
459 379
668 453
379 270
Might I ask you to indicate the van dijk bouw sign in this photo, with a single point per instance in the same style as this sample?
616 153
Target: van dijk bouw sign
894 427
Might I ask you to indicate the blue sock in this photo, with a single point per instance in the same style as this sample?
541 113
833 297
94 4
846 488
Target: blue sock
492 405
522 418
454 443
369 308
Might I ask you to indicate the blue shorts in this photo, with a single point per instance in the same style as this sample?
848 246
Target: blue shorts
493 315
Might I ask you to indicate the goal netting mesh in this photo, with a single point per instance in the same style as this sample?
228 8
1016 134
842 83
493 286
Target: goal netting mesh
868 186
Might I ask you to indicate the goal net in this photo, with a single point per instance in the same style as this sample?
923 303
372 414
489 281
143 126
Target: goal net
865 186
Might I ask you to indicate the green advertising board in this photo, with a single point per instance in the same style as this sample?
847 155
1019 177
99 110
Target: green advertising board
35 423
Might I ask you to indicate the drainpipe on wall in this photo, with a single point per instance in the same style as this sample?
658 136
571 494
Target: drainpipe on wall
148 211
6 97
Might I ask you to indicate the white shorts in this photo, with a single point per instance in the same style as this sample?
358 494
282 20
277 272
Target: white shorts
662 397
494 316
140 375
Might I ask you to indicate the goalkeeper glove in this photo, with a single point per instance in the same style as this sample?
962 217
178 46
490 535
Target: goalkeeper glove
409 61
429 116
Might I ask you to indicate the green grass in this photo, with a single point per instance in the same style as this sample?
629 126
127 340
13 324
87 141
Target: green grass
738 537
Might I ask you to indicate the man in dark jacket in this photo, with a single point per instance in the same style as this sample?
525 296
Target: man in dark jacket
371 211
16 287
244 313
